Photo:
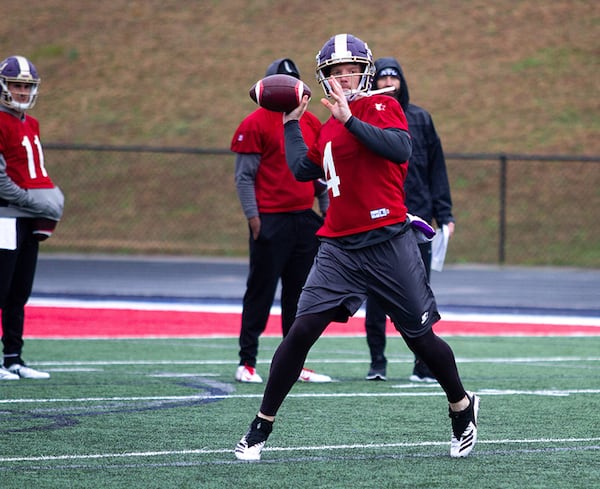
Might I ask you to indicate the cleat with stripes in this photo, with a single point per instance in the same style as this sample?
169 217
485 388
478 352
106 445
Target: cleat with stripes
250 446
464 428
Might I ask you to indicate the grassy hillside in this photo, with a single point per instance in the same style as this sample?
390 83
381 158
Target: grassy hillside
504 76
515 76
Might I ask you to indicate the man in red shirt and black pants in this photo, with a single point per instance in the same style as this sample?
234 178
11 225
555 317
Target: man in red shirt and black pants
281 222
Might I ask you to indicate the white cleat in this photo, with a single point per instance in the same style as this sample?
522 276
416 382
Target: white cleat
250 446
464 428
308 375
6 375
245 373
250 454
24 372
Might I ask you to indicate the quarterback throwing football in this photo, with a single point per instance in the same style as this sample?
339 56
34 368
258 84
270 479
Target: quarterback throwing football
367 247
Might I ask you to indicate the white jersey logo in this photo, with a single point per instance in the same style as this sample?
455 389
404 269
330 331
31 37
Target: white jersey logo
377 213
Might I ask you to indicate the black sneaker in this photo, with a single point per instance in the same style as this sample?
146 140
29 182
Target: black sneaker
421 373
252 443
464 428
376 374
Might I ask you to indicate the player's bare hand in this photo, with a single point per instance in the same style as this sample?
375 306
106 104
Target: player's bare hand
451 229
297 113
254 223
339 109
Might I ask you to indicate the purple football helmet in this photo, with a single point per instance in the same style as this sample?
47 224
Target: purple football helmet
341 49
17 69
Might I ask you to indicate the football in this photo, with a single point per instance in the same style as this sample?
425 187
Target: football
279 93
43 228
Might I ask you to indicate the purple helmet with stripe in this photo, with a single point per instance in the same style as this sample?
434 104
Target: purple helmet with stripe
18 69
342 49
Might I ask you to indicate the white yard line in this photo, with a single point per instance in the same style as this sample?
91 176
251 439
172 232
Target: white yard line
357 446
323 395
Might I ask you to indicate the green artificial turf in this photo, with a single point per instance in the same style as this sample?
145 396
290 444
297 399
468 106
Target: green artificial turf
166 413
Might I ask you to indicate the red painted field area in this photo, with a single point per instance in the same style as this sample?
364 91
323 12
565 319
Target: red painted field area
76 322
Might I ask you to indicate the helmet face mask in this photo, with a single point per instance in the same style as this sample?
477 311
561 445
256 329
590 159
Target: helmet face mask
345 49
17 69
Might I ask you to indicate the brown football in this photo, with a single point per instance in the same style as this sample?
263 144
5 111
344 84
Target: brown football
279 93
43 228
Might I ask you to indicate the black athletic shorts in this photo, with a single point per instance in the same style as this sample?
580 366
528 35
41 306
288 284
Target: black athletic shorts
391 272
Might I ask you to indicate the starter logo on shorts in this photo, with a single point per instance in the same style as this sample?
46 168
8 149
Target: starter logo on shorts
377 213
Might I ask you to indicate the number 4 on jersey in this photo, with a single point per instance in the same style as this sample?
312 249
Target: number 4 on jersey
333 181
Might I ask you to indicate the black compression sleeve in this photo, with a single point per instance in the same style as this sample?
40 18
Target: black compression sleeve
391 143
295 153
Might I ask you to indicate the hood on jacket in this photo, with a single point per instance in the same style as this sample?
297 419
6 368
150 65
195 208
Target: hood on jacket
390 66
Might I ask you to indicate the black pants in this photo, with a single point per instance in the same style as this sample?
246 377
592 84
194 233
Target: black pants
285 249
375 320
293 350
17 271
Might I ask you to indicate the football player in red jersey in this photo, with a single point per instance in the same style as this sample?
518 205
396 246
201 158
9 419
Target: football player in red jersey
281 224
30 207
366 248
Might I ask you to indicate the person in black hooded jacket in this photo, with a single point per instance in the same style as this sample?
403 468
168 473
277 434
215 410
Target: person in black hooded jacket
427 196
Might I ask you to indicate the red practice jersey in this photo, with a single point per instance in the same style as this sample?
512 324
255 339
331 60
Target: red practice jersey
277 190
22 149
366 191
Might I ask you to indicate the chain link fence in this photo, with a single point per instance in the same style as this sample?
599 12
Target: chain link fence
509 209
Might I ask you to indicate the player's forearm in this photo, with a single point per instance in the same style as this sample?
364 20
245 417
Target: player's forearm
10 192
40 202
295 153
246 168
247 196
391 143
